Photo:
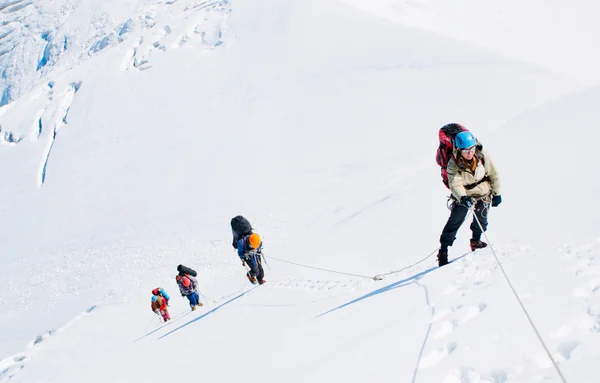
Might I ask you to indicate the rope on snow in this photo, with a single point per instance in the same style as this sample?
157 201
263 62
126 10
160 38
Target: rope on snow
318 268
537 333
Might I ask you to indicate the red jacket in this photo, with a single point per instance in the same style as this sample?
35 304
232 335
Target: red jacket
160 303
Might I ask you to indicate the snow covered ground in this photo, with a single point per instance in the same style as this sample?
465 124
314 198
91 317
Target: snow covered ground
132 134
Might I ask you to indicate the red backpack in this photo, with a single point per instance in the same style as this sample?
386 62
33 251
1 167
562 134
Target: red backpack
445 150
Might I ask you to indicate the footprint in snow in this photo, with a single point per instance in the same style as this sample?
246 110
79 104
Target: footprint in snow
473 311
435 356
445 312
565 349
562 332
445 329
592 287
592 321
468 375
9 367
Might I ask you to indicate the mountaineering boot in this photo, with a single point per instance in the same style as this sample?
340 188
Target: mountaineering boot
477 244
261 281
442 257
200 304
193 308
251 278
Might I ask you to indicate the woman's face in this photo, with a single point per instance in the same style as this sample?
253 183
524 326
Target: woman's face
468 153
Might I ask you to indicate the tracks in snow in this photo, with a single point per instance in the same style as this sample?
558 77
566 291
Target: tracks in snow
9 367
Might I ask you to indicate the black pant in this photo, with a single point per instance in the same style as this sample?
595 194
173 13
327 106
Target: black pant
255 263
457 216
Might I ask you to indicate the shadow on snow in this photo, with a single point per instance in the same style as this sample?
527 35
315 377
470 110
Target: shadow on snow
395 285
174 319
207 313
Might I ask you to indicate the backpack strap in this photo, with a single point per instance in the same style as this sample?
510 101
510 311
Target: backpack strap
479 154
472 186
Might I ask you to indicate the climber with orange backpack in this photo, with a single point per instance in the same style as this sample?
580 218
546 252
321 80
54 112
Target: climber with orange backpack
250 252
470 174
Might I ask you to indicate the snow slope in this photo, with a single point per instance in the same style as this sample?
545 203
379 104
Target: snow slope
555 35
318 122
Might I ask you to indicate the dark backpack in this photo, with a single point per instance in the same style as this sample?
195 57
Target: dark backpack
186 270
445 150
240 227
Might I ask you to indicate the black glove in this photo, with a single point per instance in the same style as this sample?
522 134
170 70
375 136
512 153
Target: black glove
466 201
496 200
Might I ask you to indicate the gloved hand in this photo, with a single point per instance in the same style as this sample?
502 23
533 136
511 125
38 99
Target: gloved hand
466 201
496 200
157 311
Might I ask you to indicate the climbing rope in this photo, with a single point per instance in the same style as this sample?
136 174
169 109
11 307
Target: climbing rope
153 321
206 299
267 263
379 277
318 268
229 295
537 333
